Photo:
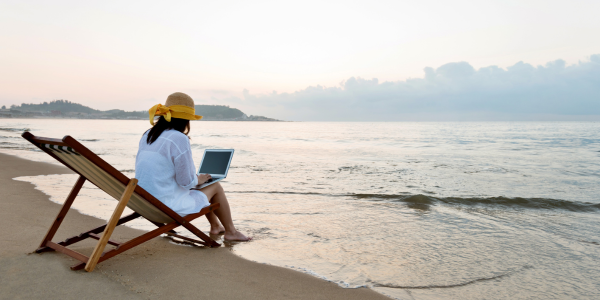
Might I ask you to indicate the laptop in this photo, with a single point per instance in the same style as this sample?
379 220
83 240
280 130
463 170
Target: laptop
216 163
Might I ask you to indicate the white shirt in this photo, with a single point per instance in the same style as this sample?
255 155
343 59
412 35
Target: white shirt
166 170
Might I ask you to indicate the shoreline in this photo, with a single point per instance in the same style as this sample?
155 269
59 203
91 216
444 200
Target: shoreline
154 270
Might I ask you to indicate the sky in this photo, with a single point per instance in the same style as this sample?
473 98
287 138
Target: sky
310 60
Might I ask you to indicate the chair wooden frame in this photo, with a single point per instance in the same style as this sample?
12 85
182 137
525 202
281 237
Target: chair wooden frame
130 187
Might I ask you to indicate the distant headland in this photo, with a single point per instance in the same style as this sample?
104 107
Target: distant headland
69 110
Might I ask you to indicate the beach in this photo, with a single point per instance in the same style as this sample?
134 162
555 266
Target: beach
156 269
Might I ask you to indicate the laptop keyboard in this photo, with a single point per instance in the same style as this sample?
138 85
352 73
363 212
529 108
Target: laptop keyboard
211 180
207 183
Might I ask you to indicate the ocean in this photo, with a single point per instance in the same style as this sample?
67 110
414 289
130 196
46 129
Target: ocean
425 210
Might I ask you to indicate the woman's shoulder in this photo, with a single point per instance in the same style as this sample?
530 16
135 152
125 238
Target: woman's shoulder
176 136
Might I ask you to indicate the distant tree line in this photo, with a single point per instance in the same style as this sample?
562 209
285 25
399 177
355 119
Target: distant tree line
66 106
61 105
218 111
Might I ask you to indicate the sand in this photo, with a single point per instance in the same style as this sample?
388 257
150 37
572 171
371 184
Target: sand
156 269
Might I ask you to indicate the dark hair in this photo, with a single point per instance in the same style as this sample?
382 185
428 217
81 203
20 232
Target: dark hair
180 125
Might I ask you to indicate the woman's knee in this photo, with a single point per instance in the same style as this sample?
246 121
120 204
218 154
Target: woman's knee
212 190
219 187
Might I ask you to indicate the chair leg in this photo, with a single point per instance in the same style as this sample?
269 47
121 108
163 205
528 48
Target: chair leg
84 235
160 225
110 226
131 243
154 233
193 229
201 235
63 211
187 239
186 224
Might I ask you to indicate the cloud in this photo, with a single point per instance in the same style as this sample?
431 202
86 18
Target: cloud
454 91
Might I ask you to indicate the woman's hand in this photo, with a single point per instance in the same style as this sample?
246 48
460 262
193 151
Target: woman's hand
202 178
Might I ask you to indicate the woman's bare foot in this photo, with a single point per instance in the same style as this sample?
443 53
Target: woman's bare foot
237 236
217 230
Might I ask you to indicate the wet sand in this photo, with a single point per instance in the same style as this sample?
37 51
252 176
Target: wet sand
154 270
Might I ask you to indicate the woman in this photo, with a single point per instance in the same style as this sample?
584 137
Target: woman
164 167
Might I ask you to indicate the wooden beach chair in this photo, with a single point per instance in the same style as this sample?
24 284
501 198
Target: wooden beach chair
94 169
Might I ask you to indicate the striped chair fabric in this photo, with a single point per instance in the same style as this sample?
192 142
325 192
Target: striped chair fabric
107 183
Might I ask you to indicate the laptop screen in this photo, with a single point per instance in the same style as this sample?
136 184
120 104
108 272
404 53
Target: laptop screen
215 162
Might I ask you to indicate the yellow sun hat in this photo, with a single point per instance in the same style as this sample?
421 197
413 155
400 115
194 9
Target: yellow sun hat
178 105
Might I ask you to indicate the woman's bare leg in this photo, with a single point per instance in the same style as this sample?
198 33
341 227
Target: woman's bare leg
216 194
215 225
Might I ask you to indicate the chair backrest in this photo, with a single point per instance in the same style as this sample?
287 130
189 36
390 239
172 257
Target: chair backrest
87 164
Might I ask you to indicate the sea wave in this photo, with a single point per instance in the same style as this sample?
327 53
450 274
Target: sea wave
278 192
16 146
434 286
422 201
14 129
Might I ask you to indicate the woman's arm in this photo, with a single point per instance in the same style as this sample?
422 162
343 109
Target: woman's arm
185 170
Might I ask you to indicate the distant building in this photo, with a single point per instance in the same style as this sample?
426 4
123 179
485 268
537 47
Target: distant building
5 113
